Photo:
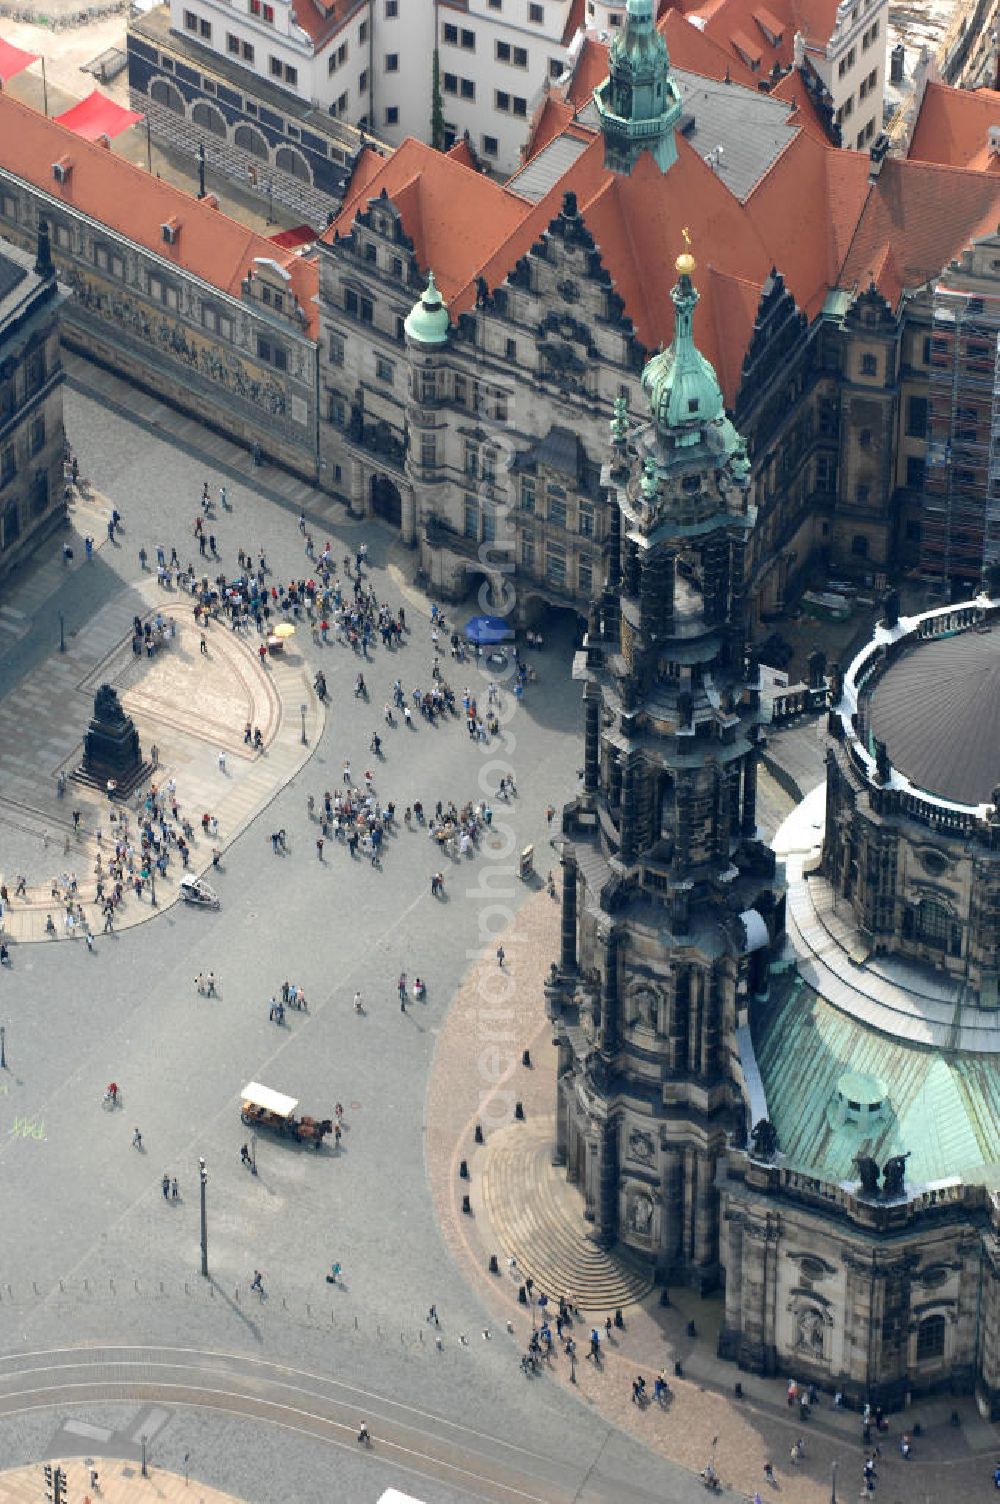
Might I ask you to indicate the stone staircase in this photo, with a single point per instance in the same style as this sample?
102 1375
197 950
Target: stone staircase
536 1216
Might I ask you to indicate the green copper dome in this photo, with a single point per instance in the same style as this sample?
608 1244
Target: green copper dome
427 322
638 104
681 385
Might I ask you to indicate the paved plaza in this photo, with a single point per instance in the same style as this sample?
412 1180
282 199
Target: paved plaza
110 1332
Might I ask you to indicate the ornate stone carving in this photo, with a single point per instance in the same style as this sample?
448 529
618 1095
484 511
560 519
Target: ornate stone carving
810 1330
641 1145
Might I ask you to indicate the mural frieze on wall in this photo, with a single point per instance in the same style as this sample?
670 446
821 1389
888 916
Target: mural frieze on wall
169 335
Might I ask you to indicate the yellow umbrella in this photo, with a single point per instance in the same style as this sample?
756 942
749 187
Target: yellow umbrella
284 629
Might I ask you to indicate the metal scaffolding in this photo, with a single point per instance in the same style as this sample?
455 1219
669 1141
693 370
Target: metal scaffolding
961 523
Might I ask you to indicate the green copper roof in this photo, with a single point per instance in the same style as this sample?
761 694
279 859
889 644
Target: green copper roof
681 385
427 321
639 103
944 1108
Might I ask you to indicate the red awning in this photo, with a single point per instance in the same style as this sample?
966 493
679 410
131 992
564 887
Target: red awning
97 116
289 239
12 60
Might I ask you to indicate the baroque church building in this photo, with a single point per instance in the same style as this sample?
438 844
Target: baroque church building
780 1078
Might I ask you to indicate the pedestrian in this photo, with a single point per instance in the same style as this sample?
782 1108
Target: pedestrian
245 1155
358 1005
204 646
165 1184
199 982
222 762
319 847
500 955
257 1283
210 984
175 1192
136 1139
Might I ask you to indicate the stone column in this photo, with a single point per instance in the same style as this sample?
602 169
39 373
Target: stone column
672 1196
627 825
732 1257
606 1189
562 1124
705 1253
592 738
408 520
568 956
756 1348
748 821
358 499
615 549
608 1039
695 1012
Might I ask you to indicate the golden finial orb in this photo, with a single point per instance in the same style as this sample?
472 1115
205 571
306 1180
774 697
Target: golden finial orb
685 263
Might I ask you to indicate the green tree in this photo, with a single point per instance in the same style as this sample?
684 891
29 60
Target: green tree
437 108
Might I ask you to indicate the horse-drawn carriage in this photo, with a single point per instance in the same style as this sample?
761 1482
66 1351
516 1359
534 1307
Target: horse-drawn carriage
260 1107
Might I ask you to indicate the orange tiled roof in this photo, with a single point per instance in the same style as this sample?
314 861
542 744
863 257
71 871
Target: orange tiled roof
806 207
455 217
462 152
741 24
128 199
550 121
322 19
813 215
915 220
953 125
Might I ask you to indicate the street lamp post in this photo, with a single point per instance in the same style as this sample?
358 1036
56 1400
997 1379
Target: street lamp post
253 1152
62 633
152 884
833 1483
204 1218
3 1047
302 712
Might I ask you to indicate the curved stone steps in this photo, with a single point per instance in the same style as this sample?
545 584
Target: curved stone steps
537 1218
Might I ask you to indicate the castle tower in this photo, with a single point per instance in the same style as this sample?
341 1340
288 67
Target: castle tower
638 104
426 327
669 902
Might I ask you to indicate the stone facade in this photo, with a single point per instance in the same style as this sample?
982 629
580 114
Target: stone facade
264 138
235 363
877 1300
669 905
920 872
32 500
483 452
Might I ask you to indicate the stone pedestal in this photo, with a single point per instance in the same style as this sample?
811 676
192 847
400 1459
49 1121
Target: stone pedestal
112 757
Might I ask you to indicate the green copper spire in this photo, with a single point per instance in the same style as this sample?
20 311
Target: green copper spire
681 385
427 321
638 104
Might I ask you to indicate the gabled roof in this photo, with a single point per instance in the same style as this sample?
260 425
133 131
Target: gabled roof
321 20
806 207
455 217
953 127
792 89
131 201
767 32
915 220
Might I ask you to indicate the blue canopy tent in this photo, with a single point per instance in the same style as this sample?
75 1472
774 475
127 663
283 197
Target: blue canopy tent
486 630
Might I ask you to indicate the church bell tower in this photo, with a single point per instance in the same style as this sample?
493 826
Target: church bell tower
670 908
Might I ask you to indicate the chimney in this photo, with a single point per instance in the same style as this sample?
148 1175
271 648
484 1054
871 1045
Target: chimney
211 200
104 141
43 254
